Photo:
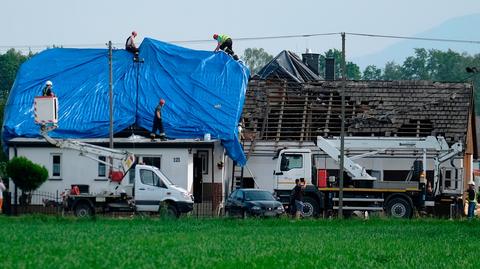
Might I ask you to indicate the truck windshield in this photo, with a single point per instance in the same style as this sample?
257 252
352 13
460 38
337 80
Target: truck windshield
164 178
258 196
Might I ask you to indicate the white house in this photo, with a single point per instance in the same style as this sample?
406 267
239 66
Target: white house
196 165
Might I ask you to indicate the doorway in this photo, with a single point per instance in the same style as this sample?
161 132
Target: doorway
197 178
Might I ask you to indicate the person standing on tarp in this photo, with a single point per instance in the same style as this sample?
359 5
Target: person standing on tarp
225 43
157 122
47 90
130 43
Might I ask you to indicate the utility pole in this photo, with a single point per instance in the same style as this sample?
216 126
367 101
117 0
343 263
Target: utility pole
342 131
110 91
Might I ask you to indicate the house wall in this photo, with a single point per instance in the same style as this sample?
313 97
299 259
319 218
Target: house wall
176 164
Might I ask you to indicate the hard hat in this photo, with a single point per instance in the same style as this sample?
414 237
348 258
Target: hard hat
48 83
162 101
215 36
471 183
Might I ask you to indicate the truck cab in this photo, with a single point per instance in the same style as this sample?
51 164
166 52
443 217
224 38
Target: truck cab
294 164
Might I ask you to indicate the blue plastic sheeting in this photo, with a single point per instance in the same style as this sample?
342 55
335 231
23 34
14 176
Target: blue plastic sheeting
204 93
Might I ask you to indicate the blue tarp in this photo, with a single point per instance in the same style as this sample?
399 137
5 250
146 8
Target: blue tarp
204 93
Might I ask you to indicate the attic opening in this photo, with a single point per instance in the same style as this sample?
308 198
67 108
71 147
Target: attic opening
416 128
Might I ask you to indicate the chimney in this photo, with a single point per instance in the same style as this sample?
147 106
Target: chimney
330 69
311 60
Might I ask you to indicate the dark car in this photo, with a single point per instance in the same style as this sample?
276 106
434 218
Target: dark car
253 202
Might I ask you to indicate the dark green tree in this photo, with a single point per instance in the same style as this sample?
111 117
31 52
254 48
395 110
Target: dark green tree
9 65
353 71
416 67
372 72
26 175
256 59
392 71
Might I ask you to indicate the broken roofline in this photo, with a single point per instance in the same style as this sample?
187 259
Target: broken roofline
285 110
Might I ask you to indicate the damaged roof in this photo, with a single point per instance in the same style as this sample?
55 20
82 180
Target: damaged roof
287 65
277 110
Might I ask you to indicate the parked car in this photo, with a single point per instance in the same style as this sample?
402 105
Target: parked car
253 202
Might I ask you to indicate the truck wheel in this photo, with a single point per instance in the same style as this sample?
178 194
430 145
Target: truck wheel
310 208
170 212
83 210
399 208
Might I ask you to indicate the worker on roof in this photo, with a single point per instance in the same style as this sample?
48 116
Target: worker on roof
47 90
130 44
225 43
471 199
157 122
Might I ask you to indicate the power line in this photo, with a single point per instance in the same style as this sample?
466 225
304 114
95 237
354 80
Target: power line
259 37
418 38
2 47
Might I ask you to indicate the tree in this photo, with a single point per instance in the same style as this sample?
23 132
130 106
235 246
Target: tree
352 70
26 175
372 72
416 67
9 64
256 59
392 71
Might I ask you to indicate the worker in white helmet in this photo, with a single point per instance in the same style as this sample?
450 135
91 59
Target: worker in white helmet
47 90
471 198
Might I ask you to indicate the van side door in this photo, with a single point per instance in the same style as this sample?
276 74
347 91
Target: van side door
149 190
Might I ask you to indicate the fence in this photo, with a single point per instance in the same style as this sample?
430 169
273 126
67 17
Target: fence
33 202
38 202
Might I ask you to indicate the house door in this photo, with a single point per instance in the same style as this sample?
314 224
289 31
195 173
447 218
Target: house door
197 178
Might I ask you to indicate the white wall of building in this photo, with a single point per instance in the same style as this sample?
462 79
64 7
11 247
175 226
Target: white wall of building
176 164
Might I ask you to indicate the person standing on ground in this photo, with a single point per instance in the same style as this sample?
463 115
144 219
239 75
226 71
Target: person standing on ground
2 189
298 197
225 43
157 122
293 208
471 198
47 90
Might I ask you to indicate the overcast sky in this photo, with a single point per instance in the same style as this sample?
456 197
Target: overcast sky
91 23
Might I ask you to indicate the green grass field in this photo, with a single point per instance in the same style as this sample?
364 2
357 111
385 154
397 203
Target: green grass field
48 242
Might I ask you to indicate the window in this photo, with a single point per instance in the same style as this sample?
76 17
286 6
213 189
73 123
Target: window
239 195
291 161
56 165
203 155
131 175
232 195
152 161
148 177
102 169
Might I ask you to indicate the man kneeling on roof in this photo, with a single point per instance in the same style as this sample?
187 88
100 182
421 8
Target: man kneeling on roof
225 43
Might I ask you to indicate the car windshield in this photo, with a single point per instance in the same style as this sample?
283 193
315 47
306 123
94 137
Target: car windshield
258 195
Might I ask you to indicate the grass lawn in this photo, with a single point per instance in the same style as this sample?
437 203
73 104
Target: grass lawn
48 242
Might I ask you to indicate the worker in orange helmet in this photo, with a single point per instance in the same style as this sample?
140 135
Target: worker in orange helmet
157 122
224 42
